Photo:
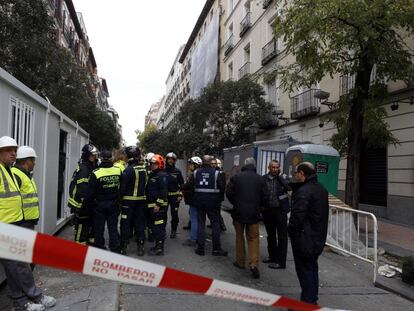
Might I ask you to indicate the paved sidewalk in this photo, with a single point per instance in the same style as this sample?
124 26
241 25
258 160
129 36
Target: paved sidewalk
397 240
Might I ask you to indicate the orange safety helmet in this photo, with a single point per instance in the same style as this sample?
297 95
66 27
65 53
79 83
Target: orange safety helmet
159 160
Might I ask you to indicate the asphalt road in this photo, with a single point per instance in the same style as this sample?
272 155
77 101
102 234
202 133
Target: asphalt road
345 283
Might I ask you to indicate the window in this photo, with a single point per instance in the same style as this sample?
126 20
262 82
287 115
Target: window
22 122
230 6
230 31
230 71
247 53
272 94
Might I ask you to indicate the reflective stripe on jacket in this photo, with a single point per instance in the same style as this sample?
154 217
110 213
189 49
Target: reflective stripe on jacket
29 194
11 205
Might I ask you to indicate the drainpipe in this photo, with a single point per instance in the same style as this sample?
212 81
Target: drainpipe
45 135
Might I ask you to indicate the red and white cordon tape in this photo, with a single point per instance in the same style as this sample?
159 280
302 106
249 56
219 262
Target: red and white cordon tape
29 246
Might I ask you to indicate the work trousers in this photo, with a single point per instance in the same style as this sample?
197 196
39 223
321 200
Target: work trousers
106 212
84 230
275 222
213 212
133 218
253 243
307 272
194 223
158 223
20 281
174 205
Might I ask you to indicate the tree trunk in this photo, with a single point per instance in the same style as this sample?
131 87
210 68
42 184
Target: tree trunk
356 119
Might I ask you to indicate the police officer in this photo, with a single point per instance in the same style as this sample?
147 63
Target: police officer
157 199
208 191
20 282
120 159
133 200
23 172
104 189
77 192
175 181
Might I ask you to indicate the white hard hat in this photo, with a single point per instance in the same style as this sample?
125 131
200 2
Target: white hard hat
25 152
196 160
171 155
7 141
149 156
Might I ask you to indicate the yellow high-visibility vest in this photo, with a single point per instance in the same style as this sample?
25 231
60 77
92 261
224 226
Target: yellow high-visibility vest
121 165
29 194
11 204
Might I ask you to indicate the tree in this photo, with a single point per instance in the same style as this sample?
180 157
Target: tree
29 52
349 37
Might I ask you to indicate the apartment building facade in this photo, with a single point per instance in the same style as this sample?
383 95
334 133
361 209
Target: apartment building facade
248 48
195 66
152 115
71 34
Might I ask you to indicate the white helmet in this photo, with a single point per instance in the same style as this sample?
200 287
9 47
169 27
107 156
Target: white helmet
25 152
171 155
196 160
149 156
7 141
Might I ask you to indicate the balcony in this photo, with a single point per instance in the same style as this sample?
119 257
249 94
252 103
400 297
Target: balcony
346 84
52 4
266 4
244 70
66 34
245 24
269 51
229 45
304 104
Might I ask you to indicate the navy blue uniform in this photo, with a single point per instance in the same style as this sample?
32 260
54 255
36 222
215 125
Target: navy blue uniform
208 191
83 211
157 195
104 189
175 181
133 201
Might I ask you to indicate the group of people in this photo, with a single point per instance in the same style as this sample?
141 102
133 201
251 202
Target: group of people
108 184
19 205
131 194
266 198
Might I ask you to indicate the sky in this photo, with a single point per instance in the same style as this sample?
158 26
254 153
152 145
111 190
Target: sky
135 43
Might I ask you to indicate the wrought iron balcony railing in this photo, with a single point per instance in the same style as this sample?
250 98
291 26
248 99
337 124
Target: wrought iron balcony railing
244 70
304 104
229 45
269 51
245 24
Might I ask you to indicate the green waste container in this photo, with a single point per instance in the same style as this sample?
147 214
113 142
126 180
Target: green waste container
326 161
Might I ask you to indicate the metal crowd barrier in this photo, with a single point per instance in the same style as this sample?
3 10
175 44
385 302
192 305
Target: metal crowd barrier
353 232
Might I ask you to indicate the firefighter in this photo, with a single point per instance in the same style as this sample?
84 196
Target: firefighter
133 200
104 189
175 181
23 172
157 199
148 212
77 192
26 296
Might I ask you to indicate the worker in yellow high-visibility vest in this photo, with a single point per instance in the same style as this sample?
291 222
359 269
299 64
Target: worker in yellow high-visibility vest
23 172
22 288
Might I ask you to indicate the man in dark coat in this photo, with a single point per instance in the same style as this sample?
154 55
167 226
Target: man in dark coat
275 217
247 192
308 226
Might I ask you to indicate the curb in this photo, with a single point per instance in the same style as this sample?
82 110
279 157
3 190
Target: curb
396 287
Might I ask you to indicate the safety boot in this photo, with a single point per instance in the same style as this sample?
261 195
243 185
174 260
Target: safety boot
141 248
124 247
158 249
173 234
